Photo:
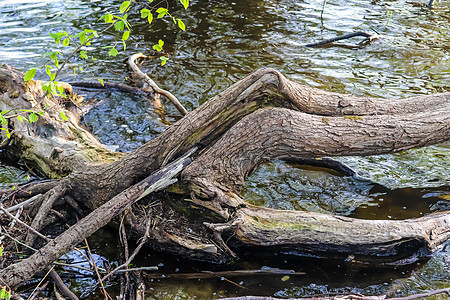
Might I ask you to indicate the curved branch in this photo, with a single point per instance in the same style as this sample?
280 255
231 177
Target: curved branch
368 38
153 84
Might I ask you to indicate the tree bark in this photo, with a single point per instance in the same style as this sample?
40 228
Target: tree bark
262 117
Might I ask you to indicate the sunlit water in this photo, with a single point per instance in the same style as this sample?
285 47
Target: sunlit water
224 41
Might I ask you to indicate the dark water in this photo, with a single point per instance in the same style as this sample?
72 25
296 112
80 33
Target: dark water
224 41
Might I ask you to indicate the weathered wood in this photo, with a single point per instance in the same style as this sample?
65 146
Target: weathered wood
370 241
262 117
18 273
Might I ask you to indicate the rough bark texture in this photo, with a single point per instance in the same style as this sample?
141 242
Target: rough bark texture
262 117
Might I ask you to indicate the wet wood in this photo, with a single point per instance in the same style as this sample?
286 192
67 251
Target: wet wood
233 273
264 116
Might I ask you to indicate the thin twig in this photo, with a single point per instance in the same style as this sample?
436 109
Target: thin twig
40 282
152 268
37 290
4 232
78 48
323 8
135 252
423 295
24 203
61 286
24 224
50 198
125 282
18 213
96 270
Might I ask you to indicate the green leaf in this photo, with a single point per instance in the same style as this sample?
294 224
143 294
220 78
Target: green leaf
163 60
30 74
48 70
83 37
161 43
108 18
3 290
124 6
63 116
126 35
124 45
113 52
66 42
157 48
181 25
61 89
119 25
83 55
33 117
3 120
185 3
53 88
162 12
21 118
101 81
150 18
145 12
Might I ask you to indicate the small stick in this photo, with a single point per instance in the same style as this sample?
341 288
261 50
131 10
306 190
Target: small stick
96 270
50 198
423 295
323 8
135 252
126 254
152 268
24 224
37 291
19 212
24 203
208 274
368 36
61 286
16 240
42 280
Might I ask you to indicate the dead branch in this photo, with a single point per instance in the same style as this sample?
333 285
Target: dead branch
61 286
153 84
329 42
16 274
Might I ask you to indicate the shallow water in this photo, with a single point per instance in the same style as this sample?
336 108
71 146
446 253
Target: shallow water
224 41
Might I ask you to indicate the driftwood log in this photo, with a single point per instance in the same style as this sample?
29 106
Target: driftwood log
263 117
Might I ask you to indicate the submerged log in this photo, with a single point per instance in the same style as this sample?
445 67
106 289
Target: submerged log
263 117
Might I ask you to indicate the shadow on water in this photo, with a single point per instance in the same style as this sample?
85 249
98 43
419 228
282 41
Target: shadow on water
224 41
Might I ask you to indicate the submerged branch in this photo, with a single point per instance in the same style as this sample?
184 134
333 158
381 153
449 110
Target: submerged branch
329 42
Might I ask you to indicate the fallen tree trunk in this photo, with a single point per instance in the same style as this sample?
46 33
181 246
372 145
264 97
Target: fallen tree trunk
262 117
